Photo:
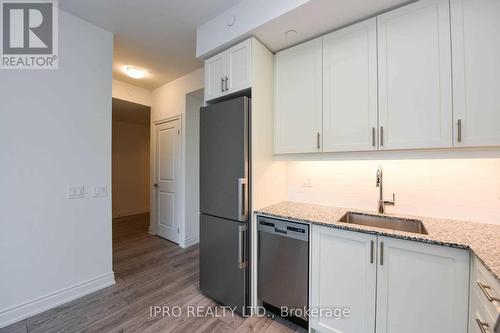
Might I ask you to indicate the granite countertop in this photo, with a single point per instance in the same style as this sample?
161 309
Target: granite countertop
483 239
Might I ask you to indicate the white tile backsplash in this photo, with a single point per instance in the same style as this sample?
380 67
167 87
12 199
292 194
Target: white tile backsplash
461 187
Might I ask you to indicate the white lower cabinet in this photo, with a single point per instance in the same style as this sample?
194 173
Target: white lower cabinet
421 287
390 285
343 276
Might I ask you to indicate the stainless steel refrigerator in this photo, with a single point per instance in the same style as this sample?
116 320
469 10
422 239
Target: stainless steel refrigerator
224 202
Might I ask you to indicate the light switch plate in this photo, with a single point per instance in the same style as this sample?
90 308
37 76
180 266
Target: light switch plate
76 192
99 191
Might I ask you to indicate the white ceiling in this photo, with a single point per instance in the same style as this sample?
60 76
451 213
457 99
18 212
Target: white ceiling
317 17
159 36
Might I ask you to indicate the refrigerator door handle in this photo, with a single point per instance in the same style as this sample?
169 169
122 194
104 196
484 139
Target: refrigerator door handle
242 263
242 199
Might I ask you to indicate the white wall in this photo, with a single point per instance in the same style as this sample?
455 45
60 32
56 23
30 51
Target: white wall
194 101
55 132
461 184
131 93
169 101
130 168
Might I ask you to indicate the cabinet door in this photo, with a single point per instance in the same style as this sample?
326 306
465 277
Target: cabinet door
475 32
343 275
215 72
298 104
415 76
421 287
350 88
239 66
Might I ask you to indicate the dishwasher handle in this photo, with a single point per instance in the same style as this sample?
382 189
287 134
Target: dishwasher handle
280 231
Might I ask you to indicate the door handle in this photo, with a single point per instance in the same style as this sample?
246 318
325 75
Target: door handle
242 263
155 185
318 139
225 84
242 199
373 136
382 136
221 84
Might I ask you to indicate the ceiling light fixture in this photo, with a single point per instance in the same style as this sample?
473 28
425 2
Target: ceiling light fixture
135 72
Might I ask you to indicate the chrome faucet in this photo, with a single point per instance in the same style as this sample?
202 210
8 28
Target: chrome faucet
380 185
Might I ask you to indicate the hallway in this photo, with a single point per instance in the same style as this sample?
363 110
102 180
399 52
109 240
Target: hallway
149 271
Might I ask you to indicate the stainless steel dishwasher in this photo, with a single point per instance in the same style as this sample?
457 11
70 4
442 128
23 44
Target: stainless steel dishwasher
283 267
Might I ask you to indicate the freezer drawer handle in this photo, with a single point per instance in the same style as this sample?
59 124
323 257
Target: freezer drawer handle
242 199
242 263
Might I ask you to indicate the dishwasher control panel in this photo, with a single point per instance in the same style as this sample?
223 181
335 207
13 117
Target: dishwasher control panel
294 230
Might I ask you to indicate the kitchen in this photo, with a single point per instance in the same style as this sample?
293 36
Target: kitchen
312 165
407 97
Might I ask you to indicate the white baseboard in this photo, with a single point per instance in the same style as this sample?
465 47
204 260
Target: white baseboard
190 242
36 306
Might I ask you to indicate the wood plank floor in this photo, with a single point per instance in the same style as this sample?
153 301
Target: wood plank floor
149 271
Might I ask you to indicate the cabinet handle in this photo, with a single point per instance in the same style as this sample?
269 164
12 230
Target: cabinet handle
371 251
459 125
318 137
225 84
381 253
373 136
482 325
486 291
221 84
382 136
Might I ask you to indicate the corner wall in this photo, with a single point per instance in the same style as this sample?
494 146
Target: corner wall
55 132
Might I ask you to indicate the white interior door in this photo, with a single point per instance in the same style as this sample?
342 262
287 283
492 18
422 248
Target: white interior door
167 180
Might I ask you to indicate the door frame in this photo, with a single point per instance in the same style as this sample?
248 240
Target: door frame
154 173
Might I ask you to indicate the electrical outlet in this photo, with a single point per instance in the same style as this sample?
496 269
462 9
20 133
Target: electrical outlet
76 192
307 182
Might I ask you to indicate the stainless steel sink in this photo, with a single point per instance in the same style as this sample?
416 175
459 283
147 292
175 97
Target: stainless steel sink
386 222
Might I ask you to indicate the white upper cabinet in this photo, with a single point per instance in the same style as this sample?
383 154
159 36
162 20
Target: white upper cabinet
297 98
239 66
421 287
215 70
343 274
476 71
229 71
350 88
414 58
